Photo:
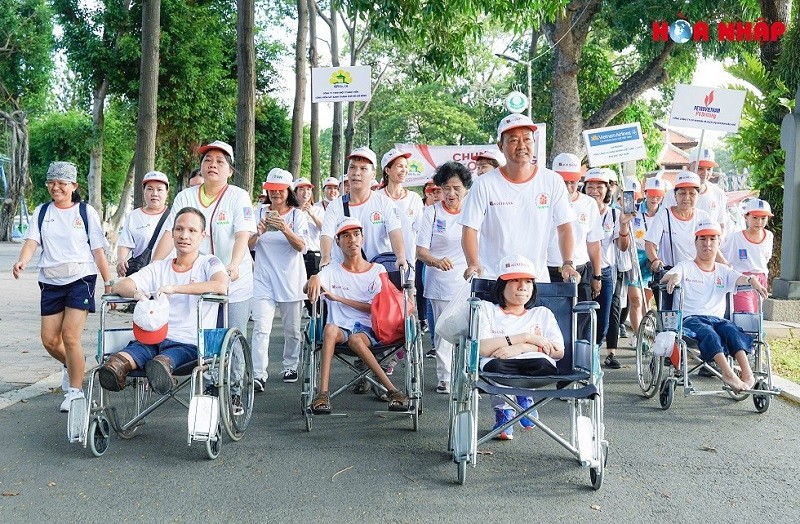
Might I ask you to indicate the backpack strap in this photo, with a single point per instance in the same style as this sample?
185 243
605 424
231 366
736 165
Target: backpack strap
40 221
346 205
81 209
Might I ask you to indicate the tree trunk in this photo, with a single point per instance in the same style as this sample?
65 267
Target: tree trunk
313 60
18 177
246 102
124 207
148 94
95 176
296 158
336 130
350 130
772 11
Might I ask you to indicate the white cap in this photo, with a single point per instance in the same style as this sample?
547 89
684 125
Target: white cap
687 179
491 154
364 152
302 182
347 224
758 207
568 166
630 183
514 121
331 181
516 266
391 155
707 226
599 174
656 184
151 320
217 144
277 179
704 158
155 176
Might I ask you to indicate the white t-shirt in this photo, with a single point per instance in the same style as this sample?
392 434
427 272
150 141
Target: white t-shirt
440 232
639 224
410 209
312 240
586 228
65 240
378 215
234 214
280 272
746 256
511 217
713 201
704 291
494 322
610 228
361 287
682 235
138 229
182 307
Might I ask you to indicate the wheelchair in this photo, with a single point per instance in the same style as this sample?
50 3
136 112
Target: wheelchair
223 369
658 374
579 380
411 344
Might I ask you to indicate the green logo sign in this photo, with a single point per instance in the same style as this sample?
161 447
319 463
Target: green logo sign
516 102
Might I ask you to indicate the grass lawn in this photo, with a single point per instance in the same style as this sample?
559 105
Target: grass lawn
786 358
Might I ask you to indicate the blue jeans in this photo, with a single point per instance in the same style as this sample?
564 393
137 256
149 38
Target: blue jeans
716 335
604 299
177 352
431 321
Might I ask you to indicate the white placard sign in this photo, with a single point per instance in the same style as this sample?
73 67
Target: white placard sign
707 108
614 144
341 84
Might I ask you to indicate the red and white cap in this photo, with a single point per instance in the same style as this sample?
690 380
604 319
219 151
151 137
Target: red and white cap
707 227
391 155
491 154
599 174
514 121
568 166
704 157
331 181
630 183
217 144
687 179
430 186
155 176
364 152
278 179
516 266
758 207
347 224
151 320
374 184
655 186
302 182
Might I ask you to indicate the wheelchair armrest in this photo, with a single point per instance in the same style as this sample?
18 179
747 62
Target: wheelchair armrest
111 298
746 287
213 297
585 307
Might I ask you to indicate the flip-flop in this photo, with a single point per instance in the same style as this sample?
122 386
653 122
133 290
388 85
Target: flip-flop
398 401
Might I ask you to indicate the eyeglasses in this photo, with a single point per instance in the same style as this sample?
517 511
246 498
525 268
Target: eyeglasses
60 183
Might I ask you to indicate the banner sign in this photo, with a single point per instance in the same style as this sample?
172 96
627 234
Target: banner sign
707 108
424 158
614 145
341 84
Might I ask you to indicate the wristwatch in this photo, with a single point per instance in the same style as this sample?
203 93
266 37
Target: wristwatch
597 277
567 263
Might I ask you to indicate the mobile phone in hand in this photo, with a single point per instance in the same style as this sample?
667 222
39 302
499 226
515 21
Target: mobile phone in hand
628 203
272 214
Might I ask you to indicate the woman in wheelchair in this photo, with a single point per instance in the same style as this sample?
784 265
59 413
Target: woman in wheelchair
705 284
349 288
183 279
516 337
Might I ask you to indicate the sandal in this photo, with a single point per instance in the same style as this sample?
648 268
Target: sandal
398 401
362 387
321 405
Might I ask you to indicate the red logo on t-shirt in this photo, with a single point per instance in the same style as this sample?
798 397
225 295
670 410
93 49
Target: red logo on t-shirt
537 330
718 281
376 217
543 201
582 218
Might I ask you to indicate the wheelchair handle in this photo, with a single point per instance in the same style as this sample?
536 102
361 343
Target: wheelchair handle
111 298
213 297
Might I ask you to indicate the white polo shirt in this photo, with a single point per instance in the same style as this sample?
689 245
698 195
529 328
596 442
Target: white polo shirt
586 228
682 235
361 287
440 232
512 217
494 322
704 291
138 229
410 209
746 256
280 272
377 214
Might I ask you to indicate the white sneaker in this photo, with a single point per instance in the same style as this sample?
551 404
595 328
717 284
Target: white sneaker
443 387
71 394
64 380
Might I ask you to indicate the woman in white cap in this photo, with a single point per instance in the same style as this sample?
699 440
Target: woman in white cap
280 273
394 167
330 191
229 224
749 252
616 235
710 198
439 248
516 337
143 223
654 189
303 189
487 161
73 244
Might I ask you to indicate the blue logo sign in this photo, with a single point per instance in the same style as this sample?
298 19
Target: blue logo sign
680 31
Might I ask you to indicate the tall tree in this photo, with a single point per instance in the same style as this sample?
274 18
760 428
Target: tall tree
246 101
313 61
332 22
301 43
148 94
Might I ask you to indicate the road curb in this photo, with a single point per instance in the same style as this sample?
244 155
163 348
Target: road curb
789 389
46 385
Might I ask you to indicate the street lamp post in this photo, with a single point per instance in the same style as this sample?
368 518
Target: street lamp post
527 63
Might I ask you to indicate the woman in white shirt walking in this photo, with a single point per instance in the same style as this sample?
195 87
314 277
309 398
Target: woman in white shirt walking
141 223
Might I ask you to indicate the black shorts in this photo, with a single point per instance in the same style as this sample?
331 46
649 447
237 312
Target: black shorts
76 295
533 367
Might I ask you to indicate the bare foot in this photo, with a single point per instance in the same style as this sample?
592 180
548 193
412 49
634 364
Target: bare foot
748 379
734 382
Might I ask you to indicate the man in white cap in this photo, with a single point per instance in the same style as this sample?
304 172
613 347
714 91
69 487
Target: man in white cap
705 284
382 228
513 208
710 198
183 279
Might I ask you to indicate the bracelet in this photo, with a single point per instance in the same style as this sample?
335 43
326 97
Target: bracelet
508 340
625 235
108 283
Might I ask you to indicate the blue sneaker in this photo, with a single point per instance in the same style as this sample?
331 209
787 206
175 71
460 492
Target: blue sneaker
525 403
502 416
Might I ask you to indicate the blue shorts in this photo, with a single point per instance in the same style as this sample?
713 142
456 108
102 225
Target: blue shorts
76 295
366 330
178 352
647 275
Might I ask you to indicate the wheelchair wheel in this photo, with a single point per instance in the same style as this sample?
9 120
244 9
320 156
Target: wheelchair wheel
667 393
99 436
214 446
596 475
648 366
127 404
761 402
236 377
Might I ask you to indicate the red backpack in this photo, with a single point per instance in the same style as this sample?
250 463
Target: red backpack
387 312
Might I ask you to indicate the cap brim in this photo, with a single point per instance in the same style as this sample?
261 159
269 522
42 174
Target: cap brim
275 186
350 157
529 126
759 213
348 228
512 276
687 184
707 163
145 182
654 192
707 232
150 337
304 184
569 176
204 149
592 179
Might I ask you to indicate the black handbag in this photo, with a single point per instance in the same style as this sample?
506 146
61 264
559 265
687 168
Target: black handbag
138 262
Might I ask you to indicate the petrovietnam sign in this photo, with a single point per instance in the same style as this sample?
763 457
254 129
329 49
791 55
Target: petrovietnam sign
707 108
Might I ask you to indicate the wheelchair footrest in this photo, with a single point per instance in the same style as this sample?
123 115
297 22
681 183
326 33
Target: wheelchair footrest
77 420
203 417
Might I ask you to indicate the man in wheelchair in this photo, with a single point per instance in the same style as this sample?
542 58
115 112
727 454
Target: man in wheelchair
349 288
705 284
516 337
182 280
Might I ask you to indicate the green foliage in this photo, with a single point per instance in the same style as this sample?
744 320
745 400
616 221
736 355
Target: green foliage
786 67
